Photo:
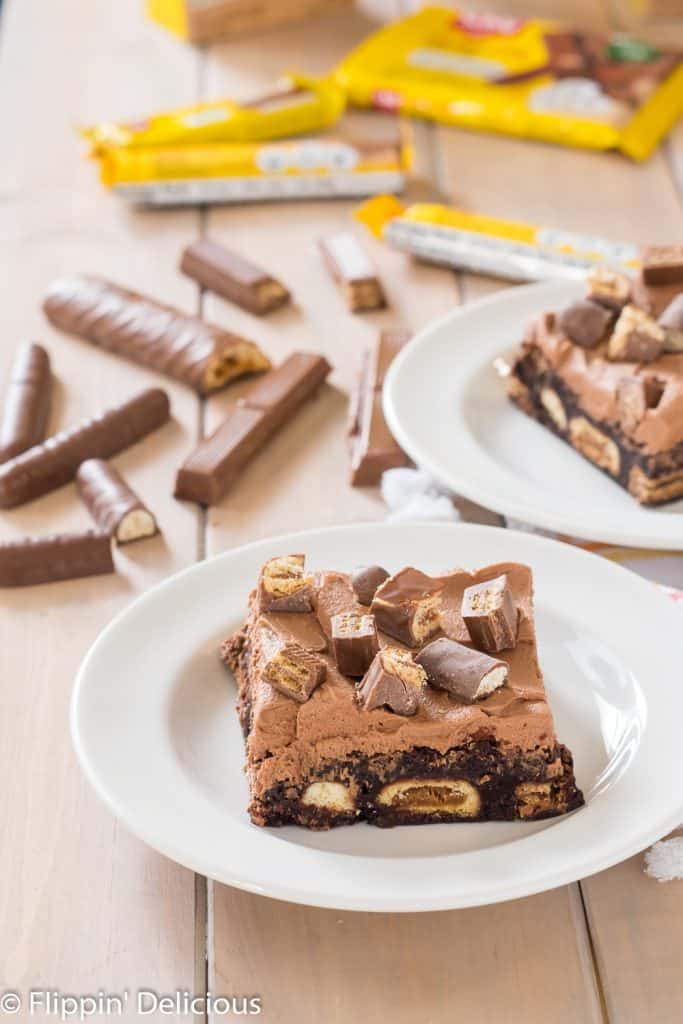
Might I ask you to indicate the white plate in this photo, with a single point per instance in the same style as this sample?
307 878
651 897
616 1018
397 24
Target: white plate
446 406
154 727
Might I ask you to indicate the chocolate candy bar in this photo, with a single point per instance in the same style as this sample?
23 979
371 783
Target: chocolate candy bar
466 674
635 395
116 509
662 264
64 556
366 579
27 402
49 465
637 337
354 642
202 356
394 680
671 322
284 587
215 464
350 267
585 323
373 449
407 607
228 274
490 614
609 288
291 669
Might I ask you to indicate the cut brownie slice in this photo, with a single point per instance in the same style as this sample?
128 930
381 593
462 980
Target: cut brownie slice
336 758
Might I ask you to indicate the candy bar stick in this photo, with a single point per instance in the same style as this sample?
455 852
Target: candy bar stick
27 402
352 270
48 559
116 509
228 274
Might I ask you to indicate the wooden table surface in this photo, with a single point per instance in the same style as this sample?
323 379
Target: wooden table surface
85 906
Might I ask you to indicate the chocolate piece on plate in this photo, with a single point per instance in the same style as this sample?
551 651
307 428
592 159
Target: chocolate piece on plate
354 642
394 680
228 274
464 673
284 586
62 556
365 580
116 509
291 669
26 406
585 323
635 395
662 264
407 607
671 322
636 338
490 614
352 270
608 287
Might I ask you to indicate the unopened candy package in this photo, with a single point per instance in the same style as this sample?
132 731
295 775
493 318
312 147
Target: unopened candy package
525 77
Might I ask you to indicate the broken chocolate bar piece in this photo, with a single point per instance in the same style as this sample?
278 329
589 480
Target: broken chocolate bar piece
407 607
671 322
202 356
27 402
662 264
354 642
353 272
490 614
635 395
116 509
234 278
366 579
284 586
64 556
637 337
394 680
607 287
466 674
585 323
291 669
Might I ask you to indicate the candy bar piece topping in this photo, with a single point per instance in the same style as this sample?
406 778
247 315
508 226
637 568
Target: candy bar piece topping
394 680
635 395
407 607
637 337
228 274
354 642
607 287
116 509
284 586
366 579
350 267
466 674
585 323
27 402
63 556
293 670
490 614
671 322
662 264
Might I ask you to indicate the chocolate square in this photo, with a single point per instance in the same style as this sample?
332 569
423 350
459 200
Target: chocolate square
490 614
354 642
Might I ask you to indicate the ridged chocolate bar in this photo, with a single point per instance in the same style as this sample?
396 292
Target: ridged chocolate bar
55 462
202 356
116 509
228 274
27 402
64 556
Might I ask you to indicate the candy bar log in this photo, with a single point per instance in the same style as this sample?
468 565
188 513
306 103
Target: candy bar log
394 680
228 274
55 462
354 642
671 322
202 356
116 509
490 614
284 586
64 556
213 467
407 607
585 323
466 674
291 669
353 272
636 338
366 579
662 264
372 447
608 288
27 402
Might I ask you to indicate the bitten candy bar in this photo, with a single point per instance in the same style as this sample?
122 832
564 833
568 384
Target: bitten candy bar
27 402
366 579
228 274
202 356
354 642
212 468
352 270
662 264
585 322
284 586
609 288
490 614
637 337
64 556
292 670
671 322
49 465
407 607
466 674
116 509
394 680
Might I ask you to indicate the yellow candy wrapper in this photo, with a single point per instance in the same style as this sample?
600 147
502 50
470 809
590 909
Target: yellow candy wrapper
522 77
489 245
297 105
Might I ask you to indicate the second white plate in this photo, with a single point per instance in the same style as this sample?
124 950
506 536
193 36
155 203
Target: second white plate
446 406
